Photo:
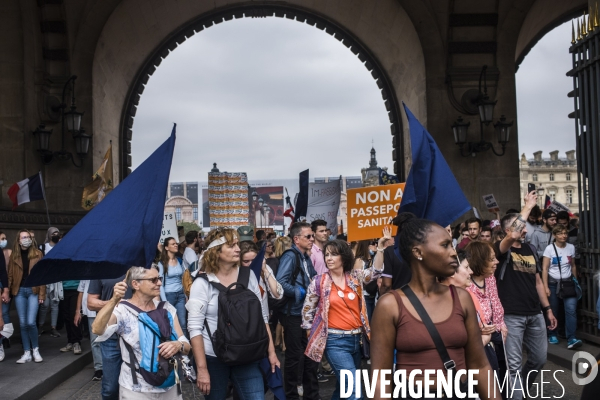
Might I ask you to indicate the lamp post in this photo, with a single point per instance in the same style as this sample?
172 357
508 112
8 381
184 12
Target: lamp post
71 121
485 107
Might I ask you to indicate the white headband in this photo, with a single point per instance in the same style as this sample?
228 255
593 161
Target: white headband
217 242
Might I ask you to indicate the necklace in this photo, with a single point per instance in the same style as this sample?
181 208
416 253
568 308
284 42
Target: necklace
476 284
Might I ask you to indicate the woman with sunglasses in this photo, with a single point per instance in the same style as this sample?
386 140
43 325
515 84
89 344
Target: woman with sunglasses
27 299
221 263
335 313
267 282
119 318
171 269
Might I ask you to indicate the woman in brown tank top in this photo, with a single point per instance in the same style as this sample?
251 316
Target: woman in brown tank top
396 325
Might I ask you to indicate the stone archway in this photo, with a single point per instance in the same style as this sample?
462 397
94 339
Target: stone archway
132 45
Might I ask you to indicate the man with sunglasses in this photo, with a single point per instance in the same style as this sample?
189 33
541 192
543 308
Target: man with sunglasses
99 294
296 263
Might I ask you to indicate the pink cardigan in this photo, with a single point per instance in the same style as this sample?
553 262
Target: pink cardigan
315 312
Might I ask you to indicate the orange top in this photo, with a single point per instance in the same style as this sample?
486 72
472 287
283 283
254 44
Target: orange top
480 313
339 315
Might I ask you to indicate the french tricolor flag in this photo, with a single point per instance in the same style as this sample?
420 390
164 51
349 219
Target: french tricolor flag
27 190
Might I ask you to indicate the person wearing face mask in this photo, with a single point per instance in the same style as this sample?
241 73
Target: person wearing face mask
54 291
5 318
27 299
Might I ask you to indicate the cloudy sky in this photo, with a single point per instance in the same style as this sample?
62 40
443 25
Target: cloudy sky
272 97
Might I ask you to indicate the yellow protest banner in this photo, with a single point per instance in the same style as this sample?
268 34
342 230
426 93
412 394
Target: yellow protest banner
370 209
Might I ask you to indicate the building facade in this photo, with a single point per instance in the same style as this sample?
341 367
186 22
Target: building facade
182 199
553 176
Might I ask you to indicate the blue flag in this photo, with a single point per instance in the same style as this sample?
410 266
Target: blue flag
431 190
256 264
120 232
302 200
387 179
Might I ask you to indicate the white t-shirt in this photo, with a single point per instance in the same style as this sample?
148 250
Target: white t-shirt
189 257
84 285
565 255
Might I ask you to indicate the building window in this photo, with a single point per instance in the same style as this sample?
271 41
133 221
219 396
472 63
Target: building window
195 213
568 176
551 177
535 177
569 193
178 213
552 194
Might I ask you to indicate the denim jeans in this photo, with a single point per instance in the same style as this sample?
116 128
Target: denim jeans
111 368
53 306
343 352
6 312
27 307
370 304
177 300
96 351
247 380
527 331
570 311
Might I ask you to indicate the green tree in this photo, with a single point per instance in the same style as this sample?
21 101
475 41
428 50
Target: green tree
189 226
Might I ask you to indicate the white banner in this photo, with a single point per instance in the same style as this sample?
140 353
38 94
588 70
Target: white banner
324 203
558 207
169 227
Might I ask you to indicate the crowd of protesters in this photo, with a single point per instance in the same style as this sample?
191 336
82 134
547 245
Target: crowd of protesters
492 289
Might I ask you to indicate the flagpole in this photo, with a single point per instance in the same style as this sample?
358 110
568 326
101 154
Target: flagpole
45 201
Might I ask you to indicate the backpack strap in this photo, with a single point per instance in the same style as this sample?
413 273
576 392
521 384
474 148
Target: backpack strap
435 335
244 276
135 308
535 256
131 363
504 264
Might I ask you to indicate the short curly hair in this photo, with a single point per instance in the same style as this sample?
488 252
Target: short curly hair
341 247
211 256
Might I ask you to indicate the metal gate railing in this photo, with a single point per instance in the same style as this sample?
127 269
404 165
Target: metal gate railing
585 51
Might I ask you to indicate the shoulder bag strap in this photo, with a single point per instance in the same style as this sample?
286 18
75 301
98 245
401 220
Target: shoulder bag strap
558 261
435 336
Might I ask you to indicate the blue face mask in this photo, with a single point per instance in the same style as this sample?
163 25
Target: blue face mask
3 244
371 252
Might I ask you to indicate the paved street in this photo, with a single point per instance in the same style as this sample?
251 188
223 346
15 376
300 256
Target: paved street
80 387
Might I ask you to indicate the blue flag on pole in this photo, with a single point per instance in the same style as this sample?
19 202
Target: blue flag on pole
431 190
120 232
302 200
256 264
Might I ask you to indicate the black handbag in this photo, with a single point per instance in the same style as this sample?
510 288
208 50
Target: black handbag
365 343
449 364
565 288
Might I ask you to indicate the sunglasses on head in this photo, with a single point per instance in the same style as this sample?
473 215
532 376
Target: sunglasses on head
153 280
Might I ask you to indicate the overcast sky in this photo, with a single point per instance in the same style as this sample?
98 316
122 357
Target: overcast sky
272 97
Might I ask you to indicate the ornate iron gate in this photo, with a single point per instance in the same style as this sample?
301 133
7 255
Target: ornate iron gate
585 51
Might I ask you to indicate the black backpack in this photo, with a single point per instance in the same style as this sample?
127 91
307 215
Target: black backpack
241 336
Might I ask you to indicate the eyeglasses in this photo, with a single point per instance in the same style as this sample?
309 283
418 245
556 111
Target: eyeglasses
307 236
153 280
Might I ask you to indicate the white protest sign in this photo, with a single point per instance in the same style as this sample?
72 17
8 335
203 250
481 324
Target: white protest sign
169 227
558 207
491 204
324 203
477 215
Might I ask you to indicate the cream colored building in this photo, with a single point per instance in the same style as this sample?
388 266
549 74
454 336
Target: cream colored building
553 176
